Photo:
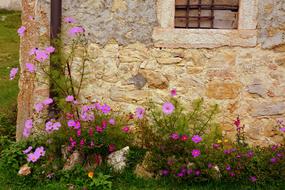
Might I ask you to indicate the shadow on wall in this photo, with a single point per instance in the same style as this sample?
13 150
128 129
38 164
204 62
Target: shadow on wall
11 4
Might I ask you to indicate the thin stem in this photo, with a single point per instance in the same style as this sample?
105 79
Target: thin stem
83 71
54 81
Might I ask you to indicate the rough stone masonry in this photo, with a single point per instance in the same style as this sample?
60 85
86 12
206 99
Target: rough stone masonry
126 70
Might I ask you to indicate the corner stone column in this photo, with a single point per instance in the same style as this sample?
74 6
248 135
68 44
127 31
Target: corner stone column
35 17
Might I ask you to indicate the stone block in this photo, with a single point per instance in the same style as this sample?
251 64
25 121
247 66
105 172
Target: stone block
268 109
223 90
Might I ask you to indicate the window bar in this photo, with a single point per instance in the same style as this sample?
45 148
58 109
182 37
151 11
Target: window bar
187 13
212 13
207 7
199 13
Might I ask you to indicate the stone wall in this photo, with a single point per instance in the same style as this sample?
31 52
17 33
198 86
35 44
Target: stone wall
271 23
126 70
11 4
126 21
244 81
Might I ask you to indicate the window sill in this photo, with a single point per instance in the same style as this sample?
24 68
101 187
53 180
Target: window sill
203 38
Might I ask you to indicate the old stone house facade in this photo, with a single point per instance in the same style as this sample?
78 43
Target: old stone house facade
236 58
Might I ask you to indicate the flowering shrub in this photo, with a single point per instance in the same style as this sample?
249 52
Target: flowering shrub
182 144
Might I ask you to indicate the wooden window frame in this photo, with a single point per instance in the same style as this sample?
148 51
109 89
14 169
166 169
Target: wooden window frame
165 35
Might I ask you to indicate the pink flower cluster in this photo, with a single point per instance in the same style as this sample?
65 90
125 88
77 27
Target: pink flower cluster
87 113
33 157
28 128
176 136
42 55
52 125
74 124
43 104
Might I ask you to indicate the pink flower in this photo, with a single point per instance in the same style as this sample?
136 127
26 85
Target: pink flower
69 20
196 153
71 123
196 139
41 56
48 101
30 67
28 150
40 151
69 98
253 179
28 128
26 132
33 157
13 73
78 132
90 132
39 107
105 109
112 121
126 129
75 124
232 174
52 126
173 92
21 31
29 124
99 129
87 116
184 138
33 51
104 124
111 148
50 49
98 106
174 136
282 129
167 108
237 122
228 168
82 142
140 113
75 30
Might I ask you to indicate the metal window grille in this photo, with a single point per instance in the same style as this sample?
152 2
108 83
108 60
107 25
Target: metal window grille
206 14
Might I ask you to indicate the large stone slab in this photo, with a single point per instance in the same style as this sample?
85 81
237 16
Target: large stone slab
268 109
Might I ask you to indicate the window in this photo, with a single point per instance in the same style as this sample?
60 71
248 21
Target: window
206 14
206 23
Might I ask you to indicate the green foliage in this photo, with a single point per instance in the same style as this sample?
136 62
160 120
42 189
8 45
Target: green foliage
101 181
13 157
9 57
